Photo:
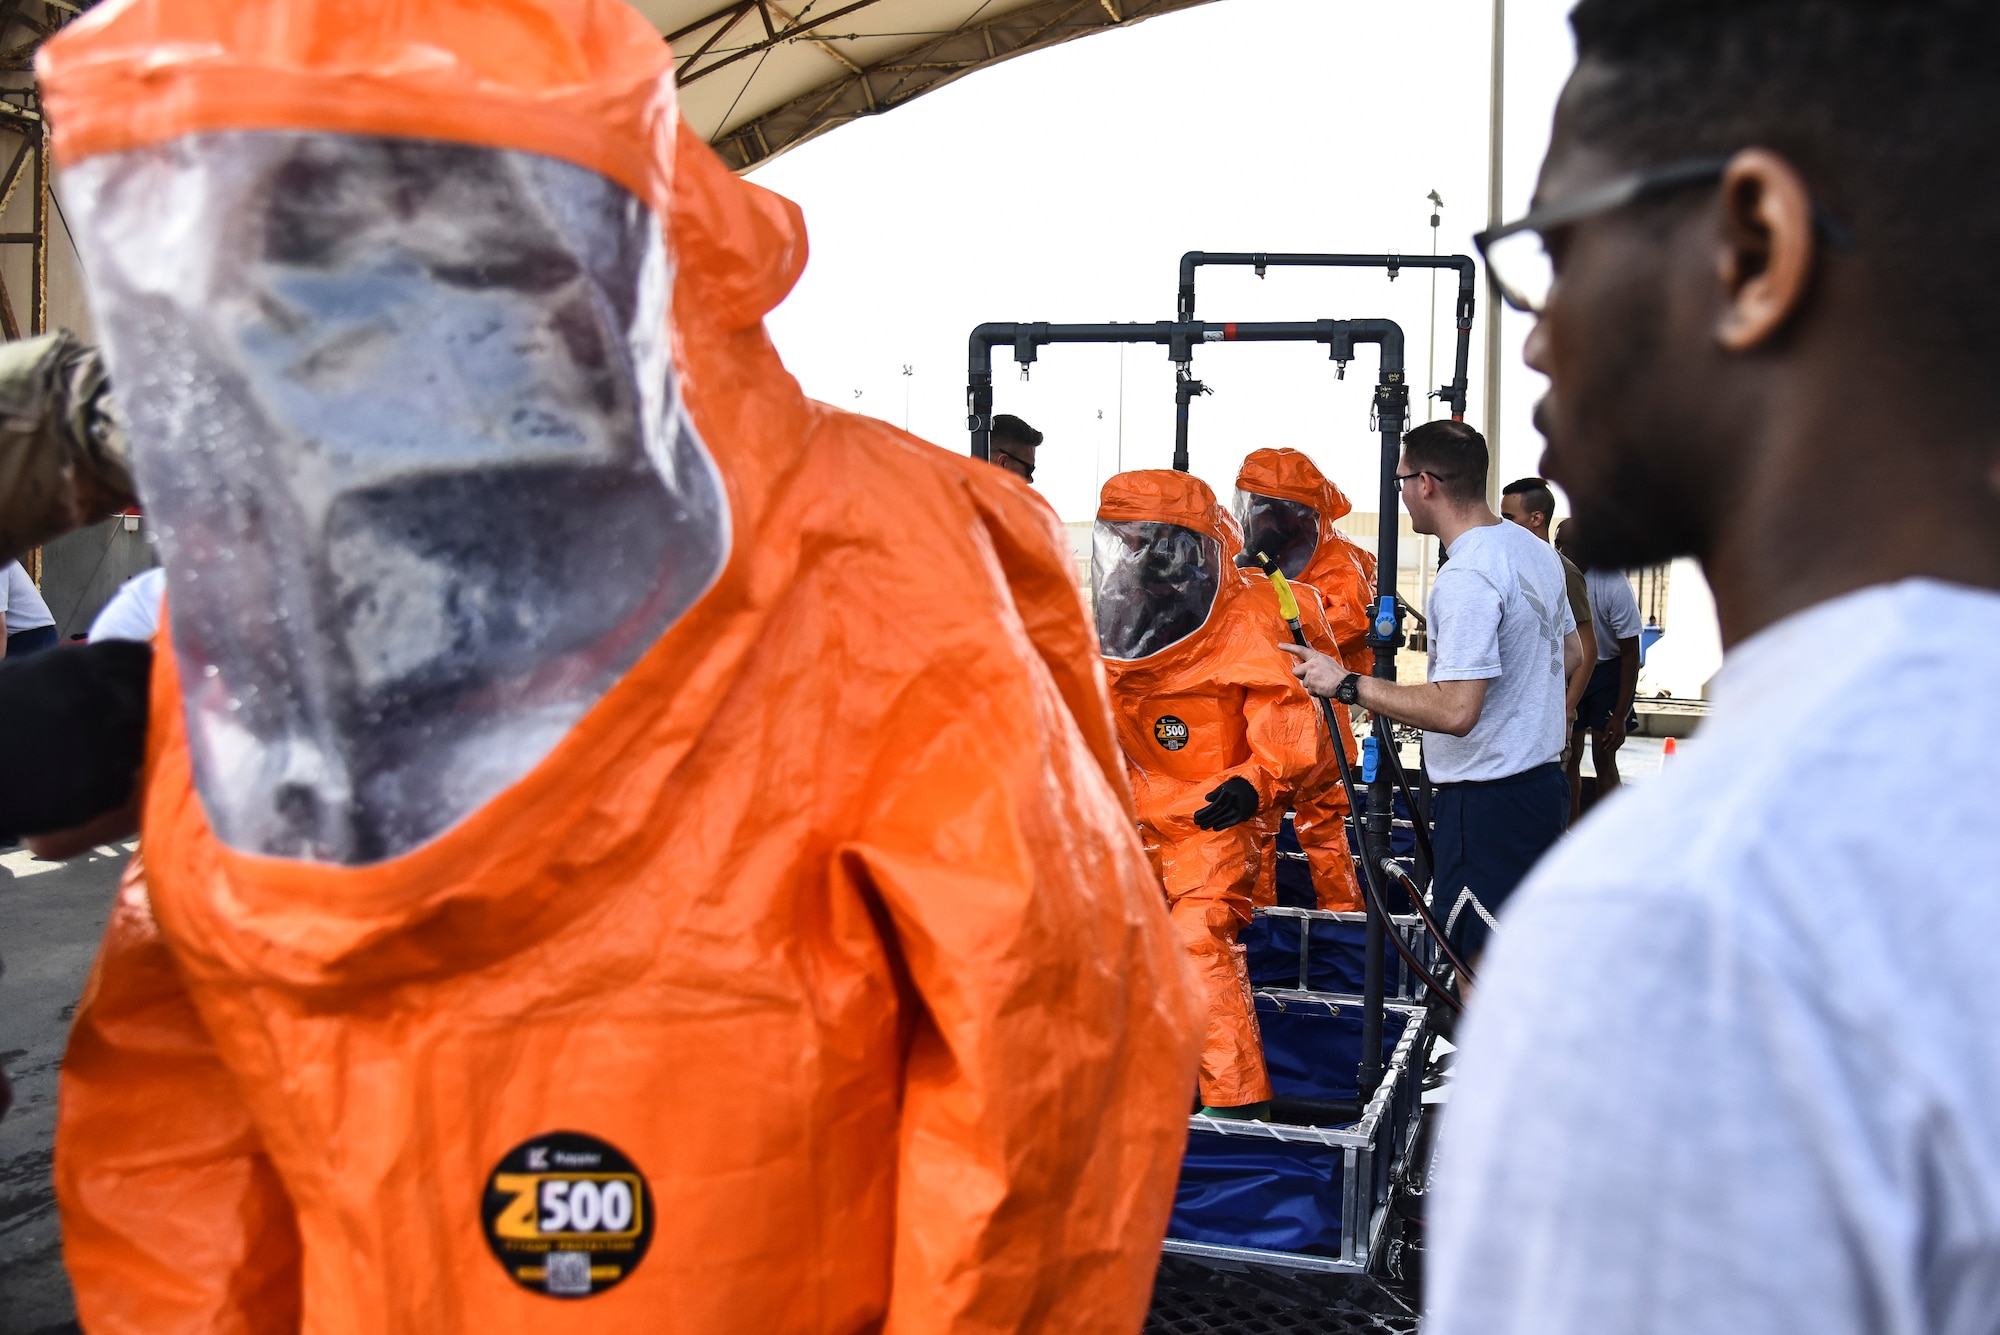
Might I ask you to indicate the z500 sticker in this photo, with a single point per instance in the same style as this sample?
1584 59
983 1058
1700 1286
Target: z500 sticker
567 1215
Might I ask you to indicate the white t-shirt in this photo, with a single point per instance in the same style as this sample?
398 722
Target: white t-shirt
134 611
1614 611
24 608
1499 610
1734 1062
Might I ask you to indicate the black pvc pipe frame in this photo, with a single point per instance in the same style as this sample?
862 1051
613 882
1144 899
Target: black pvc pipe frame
1392 404
1180 337
1385 738
1454 394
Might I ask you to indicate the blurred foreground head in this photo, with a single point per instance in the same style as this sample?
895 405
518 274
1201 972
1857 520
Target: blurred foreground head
1776 364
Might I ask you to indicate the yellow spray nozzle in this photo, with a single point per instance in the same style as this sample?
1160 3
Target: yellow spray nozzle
1288 606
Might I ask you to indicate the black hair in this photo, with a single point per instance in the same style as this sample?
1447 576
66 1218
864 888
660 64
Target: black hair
1536 498
1012 429
1890 109
1453 453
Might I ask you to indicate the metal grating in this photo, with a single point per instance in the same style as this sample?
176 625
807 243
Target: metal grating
1211 1312
1193 1298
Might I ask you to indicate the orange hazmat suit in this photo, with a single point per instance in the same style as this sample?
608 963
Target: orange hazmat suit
1286 503
1325 800
1342 895
1342 570
1201 695
750 934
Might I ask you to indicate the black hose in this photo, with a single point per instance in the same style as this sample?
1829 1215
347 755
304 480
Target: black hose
1368 887
1423 911
1385 737
1377 902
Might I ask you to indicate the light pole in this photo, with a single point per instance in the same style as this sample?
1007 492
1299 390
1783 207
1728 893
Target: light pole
1496 139
1121 407
909 372
1430 374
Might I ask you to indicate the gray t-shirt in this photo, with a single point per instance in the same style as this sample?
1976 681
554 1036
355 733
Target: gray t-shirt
21 605
1498 613
1614 610
1733 1065
133 613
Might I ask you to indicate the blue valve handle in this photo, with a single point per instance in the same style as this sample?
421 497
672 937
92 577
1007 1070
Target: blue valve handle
1385 618
1371 756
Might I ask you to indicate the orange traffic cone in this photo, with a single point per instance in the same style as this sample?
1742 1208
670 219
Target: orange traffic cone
1667 750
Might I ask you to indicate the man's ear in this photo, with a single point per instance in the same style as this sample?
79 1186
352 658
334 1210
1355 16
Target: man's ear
1766 250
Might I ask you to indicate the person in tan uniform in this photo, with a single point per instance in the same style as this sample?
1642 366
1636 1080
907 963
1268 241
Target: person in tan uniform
62 451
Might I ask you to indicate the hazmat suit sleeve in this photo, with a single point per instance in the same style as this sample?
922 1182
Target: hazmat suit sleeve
1027 1142
1351 628
173 1218
1278 719
1321 634
1279 724
62 454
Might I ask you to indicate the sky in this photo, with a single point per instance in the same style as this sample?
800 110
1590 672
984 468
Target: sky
1064 186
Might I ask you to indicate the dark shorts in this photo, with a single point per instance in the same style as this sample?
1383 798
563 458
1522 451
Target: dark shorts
1487 838
1600 697
31 641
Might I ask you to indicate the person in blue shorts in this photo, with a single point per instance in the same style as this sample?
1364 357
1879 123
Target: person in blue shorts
1493 709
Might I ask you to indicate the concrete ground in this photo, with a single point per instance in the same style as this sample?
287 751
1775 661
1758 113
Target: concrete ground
1638 760
51 915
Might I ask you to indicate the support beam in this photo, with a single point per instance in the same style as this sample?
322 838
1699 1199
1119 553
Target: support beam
39 321
825 46
1496 141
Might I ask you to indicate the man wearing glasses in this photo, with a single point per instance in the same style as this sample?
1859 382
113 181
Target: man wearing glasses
1013 446
1503 643
1735 1062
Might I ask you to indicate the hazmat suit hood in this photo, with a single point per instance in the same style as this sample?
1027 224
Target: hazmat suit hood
1160 556
1285 502
416 396
1288 506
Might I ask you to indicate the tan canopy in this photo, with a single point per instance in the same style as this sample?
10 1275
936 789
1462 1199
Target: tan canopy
759 76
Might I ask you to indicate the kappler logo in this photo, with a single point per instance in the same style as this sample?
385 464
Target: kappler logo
1170 732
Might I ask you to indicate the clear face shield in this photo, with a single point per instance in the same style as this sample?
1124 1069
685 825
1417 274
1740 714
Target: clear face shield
1154 582
1286 531
405 417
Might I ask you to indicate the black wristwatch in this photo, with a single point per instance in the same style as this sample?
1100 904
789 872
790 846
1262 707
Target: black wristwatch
1349 690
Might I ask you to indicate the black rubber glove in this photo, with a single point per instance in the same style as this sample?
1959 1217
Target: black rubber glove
1231 804
75 718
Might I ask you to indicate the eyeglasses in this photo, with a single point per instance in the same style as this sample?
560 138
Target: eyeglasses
1515 256
1518 261
1015 464
1401 478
